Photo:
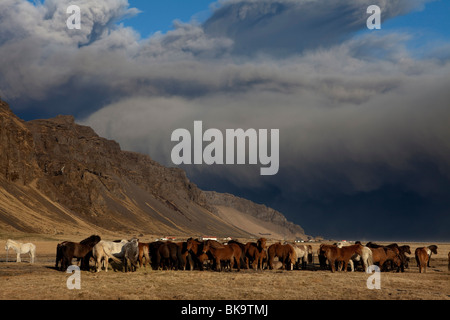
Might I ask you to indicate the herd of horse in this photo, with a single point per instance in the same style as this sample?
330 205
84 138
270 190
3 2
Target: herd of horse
194 254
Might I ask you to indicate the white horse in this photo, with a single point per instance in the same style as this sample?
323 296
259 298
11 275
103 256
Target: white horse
20 248
302 254
105 250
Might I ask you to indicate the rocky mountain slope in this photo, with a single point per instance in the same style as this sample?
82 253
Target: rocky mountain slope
60 177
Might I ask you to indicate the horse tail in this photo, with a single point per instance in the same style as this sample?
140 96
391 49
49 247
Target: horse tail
369 258
33 253
110 255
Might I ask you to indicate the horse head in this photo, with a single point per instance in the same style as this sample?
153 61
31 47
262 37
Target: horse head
433 248
261 243
206 246
189 244
91 241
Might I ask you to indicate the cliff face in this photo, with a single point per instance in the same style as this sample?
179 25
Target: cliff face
270 222
59 176
17 156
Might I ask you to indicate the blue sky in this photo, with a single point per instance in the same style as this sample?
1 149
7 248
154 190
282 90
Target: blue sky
159 15
430 24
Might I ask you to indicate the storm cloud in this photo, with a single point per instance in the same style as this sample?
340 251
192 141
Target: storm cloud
363 122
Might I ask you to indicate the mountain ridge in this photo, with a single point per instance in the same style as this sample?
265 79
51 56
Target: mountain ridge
57 176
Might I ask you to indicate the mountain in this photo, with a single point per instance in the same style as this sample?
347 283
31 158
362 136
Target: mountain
58 177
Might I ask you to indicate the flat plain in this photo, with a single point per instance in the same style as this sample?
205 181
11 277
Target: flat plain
41 281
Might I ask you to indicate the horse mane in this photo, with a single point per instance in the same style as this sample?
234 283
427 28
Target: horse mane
215 244
91 241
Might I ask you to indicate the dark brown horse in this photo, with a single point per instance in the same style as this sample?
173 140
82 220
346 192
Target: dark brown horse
165 255
69 250
185 255
285 253
344 254
402 251
230 253
195 248
431 249
254 253
59 256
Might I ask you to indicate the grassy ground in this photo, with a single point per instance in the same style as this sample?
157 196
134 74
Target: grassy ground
25 281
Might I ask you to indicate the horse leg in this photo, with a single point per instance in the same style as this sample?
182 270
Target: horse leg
141 257
218 265
18 257
345 262
352 266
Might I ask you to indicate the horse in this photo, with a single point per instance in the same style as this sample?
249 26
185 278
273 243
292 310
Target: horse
366 258
105 250
344 254
70 250
321 254
381 255
422 258
402 251
20 248
254 252
165 255
242 250
186 258
130 254
285 253
431 249
302 253
310 254
449 261
227 253
144 252
195 248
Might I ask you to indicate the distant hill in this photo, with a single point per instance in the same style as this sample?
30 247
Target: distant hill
58 177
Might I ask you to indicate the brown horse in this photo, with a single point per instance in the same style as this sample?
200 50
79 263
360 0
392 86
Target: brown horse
69 250
334 254
144 252
402 251
195 248
185 255
284 252
382 255
230 253
321 254
254 252
165 254
422 258
449 261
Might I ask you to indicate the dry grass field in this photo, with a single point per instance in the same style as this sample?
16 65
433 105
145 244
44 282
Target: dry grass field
40 281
